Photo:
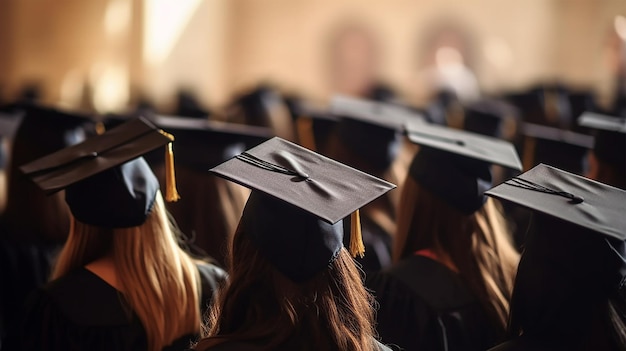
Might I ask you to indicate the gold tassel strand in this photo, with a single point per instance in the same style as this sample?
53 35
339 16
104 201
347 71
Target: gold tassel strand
356 238
171 193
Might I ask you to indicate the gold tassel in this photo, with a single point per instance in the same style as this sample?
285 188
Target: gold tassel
171 193
100 128
356 239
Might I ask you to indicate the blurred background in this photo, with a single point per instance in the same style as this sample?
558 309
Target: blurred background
109 55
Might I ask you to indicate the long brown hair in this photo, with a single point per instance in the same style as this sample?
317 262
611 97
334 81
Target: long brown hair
159 280
331 311
479 245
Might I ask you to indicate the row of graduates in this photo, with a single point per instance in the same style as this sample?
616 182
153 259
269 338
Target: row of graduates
449 287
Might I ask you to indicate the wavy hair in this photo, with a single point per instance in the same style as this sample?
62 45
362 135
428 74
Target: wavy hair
331 311
157 278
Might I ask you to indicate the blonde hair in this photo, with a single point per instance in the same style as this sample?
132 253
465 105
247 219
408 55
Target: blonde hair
479 244
158 279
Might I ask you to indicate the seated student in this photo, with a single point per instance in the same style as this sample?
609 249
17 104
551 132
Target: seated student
368 137
570 290
607 159
33 226
454 264
293 285
121 281
209 208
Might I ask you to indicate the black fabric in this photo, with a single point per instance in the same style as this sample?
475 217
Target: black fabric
331 192
377 244
256 346
298 251
23 268
525 344
119 145
602 209
120 197
425 306
202 144
460 181
82 312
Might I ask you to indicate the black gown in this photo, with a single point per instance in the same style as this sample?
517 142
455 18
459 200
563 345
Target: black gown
80 311
250 346
24 266
425 306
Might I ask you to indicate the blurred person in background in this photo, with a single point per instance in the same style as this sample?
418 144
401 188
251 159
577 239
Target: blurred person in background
33 226
454 263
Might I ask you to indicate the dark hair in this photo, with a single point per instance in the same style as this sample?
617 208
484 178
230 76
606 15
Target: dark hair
478 244
331 311
30 215
564 292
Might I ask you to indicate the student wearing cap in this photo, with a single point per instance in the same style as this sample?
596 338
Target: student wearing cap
607 159
454 263
293 285
33 226
121 282
263 106
570 290
368 136
210 207
557 147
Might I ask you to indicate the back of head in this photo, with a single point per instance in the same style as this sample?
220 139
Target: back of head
41 132
478 243
330 311
565 291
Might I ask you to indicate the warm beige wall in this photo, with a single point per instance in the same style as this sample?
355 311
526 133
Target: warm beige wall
230 44
547 39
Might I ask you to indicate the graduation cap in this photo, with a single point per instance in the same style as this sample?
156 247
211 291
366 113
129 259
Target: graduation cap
455 164
574 253
560 148
51 127
107 182
486 116
610 137
298 201
371 129
202 144
384 115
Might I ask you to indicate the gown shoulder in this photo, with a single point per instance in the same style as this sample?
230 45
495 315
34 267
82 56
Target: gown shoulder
434 300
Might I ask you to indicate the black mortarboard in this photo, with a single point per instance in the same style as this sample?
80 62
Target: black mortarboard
455 164
299 198
202 144
559 148
257 105
188 105
384 115
610 137
51 127
575 254
107 182
371 129
314 123
486 116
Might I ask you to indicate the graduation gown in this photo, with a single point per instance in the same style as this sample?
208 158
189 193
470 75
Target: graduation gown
425 306
80 311
24 266
251 346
